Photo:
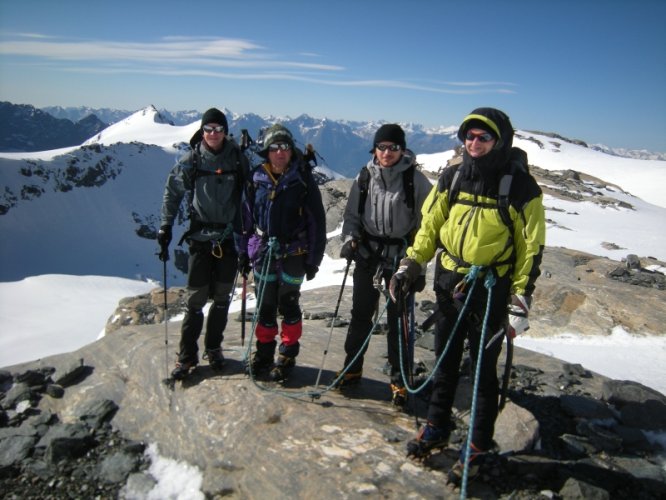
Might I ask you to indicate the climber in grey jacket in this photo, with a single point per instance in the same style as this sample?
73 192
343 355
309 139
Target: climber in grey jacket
213 174
382 215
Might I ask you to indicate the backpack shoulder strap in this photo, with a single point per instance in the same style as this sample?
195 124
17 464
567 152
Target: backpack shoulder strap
454 187
503 199
196 161
408 186
517 165
363 184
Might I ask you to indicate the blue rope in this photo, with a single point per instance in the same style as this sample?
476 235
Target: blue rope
345 369
260 298
273 244
489 282
471 276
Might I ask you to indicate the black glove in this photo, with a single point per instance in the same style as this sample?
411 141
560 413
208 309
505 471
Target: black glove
403 280
311 272
420 283
244 264
164 238
348 250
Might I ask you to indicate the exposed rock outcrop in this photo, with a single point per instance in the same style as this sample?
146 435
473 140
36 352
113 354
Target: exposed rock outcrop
565 431
577 292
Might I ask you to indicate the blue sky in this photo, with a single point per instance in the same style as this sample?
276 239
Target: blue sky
591 70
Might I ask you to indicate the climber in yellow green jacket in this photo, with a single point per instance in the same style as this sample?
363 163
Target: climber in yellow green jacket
486 212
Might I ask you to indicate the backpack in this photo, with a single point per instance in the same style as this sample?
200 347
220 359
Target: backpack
240 181
407 184
517 164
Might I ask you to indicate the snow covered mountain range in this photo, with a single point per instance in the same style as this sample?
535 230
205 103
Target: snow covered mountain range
94 208
422 139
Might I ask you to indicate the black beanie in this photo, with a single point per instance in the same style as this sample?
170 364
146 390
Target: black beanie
390 132
214 115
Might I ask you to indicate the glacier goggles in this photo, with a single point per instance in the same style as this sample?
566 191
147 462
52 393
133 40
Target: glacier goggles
279 146
209 129
484 137
390 147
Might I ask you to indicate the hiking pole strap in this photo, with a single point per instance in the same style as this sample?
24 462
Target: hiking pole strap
506 377
432 319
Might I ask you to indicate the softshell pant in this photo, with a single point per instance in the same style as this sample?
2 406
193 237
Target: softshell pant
207 277
280 293
364 304
446 378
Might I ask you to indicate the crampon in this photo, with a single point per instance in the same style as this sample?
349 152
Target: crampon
429 438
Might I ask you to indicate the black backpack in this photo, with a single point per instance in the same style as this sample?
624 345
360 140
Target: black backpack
407 184
239 178
517 164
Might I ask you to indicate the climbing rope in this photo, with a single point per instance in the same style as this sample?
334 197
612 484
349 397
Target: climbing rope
470 277
264 277
489 283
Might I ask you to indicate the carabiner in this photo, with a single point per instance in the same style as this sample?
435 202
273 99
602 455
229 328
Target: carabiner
217 250
459 290
378 278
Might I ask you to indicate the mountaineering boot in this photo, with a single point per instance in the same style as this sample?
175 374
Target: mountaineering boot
475 461
399 395
215 358
262 359
259 366
428 438
184 368
349 378
282 368
287 353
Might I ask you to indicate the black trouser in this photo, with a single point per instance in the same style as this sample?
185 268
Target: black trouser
280 293
364 304
208 277
280 289
445 380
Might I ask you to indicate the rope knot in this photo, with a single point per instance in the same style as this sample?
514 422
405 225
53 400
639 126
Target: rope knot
273 244
473 273
490 280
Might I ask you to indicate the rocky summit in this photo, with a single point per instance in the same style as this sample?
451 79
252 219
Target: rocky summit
78 425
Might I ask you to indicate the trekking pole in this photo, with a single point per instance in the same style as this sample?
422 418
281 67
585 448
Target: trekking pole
243 306
335 315
166 321
411 336
321 157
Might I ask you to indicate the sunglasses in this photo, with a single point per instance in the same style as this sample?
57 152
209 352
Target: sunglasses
209 129
280 146
390 147
485 137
